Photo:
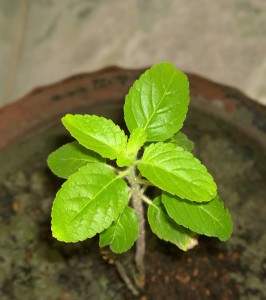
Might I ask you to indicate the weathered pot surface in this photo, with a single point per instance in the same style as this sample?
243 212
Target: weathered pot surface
229 133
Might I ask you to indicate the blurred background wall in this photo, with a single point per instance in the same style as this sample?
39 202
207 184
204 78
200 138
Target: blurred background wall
43 41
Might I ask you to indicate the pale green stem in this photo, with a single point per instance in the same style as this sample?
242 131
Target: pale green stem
143 182
146 199
124 173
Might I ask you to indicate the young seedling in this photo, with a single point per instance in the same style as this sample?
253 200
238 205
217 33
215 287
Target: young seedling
101 198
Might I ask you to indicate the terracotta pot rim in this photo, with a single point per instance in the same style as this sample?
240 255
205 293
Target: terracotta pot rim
46 102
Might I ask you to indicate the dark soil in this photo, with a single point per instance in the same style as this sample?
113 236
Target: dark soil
35 266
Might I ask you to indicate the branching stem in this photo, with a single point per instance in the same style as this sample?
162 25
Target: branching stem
140 244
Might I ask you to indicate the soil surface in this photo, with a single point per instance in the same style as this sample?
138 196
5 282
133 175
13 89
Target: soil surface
34 266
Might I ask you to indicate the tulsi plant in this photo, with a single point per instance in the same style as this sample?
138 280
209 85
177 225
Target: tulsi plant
101 197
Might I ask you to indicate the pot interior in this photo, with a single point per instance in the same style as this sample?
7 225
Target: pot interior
31 260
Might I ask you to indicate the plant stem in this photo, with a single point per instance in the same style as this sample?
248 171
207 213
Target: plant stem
112 259
140 244
121 271
147 200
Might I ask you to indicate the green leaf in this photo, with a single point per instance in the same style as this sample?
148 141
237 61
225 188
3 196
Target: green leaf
122 234
181 140
177 171
67 159
158 102
135 142
166 228
97 134
87 203
208 218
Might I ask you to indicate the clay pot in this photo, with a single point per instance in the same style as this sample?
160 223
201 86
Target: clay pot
101 90
229 130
